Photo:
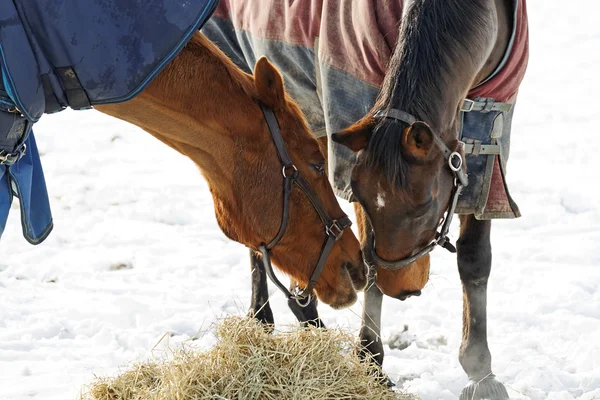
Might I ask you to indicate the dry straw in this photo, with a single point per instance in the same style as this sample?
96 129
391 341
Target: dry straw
249 363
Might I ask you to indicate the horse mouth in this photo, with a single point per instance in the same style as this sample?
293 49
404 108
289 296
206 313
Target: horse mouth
405 295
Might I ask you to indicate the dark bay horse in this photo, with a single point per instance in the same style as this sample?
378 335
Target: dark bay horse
207 109
434 100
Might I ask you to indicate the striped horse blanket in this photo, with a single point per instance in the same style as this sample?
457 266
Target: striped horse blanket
334 54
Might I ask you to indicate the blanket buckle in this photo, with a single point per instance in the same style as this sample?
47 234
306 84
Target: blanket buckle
11 158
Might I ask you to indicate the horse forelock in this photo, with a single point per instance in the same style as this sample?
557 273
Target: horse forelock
384 153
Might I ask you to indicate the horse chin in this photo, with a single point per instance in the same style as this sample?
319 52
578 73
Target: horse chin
407 282
341 301
339 296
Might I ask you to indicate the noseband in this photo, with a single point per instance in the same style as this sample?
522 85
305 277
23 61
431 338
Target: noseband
455 162
334 229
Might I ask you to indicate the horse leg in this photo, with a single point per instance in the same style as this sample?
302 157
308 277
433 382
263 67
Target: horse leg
370 330
259 302
474 265
307 316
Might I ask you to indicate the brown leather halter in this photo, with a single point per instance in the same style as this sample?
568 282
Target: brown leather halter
455 162
334 229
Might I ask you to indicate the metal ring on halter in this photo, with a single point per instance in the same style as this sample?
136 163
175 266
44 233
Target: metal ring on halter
303 305
452 156
285 167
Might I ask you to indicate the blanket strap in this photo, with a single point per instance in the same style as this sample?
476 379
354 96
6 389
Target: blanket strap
52 104
14 130
475 148
484 105
76 96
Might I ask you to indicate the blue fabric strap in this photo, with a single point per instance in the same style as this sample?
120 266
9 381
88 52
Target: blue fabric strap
25 179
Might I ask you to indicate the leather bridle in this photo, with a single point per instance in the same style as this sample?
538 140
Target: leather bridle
454 160
334 229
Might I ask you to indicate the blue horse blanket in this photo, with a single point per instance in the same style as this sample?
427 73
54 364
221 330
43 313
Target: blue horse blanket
70 53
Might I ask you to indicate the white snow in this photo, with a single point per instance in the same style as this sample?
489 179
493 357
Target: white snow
136 257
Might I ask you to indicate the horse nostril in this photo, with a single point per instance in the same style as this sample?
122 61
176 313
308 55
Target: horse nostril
405 295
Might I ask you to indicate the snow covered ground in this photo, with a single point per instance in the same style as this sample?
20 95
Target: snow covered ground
136 252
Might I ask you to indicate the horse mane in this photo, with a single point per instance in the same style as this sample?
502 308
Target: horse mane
435 36
200 47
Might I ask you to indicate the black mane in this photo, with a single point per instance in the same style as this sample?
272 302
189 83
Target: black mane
435 37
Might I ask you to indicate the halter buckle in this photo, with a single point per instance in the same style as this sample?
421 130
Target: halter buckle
447 245
467 105
335 230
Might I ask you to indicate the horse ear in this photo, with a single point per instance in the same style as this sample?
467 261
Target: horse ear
269 84
418 140
357 136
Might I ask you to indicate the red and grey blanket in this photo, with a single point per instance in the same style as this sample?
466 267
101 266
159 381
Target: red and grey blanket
334 54
358 37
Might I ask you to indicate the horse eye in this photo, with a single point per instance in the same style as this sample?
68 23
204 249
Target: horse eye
319 167
421 209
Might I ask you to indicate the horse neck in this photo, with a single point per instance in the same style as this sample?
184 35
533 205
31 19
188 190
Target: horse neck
442 46
199 105
504 17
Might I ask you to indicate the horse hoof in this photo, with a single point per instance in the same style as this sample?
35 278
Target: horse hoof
385 380
388 382
488 388
316 323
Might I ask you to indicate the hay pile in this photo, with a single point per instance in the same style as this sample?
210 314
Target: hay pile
249 363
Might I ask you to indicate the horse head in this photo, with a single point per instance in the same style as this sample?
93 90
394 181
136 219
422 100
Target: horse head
406 178
256 202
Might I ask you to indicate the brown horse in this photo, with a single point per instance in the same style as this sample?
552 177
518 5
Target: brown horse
203 106
407 160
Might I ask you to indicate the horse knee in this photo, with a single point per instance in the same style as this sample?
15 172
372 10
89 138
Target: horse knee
475 357
474 252
474 264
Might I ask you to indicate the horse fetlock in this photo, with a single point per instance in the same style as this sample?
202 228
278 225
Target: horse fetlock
476 360
486 388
